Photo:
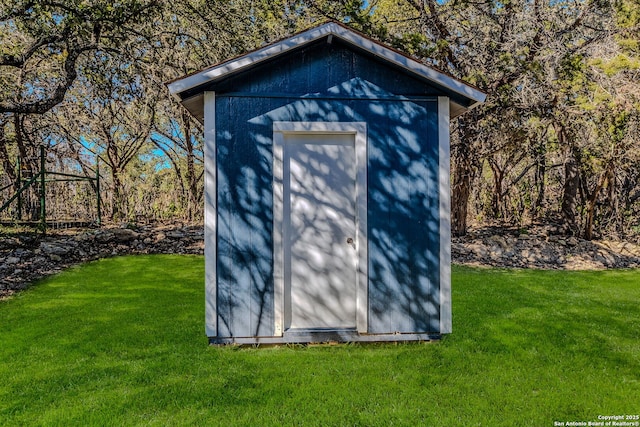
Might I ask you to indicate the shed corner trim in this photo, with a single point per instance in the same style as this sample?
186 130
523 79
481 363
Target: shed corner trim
210 215
445 215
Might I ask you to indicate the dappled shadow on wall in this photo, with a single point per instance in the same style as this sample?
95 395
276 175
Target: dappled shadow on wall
403 222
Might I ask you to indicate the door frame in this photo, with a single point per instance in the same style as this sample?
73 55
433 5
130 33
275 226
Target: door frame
359 130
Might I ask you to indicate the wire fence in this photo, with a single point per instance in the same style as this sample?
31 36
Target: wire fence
50 198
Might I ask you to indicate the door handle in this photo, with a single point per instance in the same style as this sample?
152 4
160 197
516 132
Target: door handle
350 242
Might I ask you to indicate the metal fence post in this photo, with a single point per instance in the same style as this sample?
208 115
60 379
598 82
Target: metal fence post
43 195
98 190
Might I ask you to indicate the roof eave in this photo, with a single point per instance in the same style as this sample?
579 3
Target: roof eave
247 61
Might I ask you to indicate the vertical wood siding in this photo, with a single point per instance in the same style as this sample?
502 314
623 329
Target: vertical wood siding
403 211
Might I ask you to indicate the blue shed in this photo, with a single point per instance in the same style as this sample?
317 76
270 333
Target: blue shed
326 191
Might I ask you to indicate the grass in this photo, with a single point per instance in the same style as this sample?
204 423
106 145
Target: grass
121 342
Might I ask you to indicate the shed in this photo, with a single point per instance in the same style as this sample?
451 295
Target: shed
327 207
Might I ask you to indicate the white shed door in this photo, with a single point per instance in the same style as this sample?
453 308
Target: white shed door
320 230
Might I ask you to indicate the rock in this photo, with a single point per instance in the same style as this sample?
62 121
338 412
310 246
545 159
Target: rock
531 256
608 259
495 252
104 237
12 260
510 242
55 257
498 240
104 252
128 225
10 242
124 234
478 250
459 249
572 241
55 249
175 234
84 237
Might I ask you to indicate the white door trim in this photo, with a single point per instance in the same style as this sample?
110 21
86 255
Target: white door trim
359 129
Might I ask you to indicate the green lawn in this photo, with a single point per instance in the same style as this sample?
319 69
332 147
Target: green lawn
121 342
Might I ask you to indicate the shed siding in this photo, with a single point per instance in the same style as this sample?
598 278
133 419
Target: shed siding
403 207
316 68
403 221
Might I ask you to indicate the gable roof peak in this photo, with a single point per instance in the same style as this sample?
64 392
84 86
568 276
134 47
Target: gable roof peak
190 83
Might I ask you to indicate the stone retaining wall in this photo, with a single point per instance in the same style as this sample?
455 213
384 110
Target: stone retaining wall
29 256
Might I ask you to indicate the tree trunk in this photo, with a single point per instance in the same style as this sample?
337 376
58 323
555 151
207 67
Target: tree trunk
460 189
191 178
8 167
496 197
30 164
541 171
463 159
591 207
614 202
570 191
117 206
